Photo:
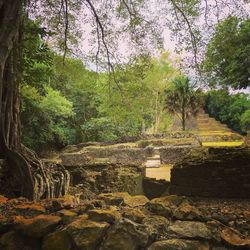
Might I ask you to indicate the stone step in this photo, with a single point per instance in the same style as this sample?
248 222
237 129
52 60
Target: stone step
153 163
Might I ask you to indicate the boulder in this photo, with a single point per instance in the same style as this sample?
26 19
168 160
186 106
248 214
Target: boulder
234 239
65 202
187 212
74 159
178 244
157 225
67 216
58 240
123 198
165 205
191 229
108 215
12 240
134 214
115 199
136 201
3 199
38 226
31 209
124 235
87 234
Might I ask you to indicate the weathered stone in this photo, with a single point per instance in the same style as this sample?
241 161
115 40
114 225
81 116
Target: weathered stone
65 202
58 240
3 199
5 224
187 212
67 216
157 226
153 188
108 215
219 172
12 240
33 208
74 159
115 199
123 198
178 244
191 229
87 234
165 205
134 214
38 226
234 238
126 234
135 201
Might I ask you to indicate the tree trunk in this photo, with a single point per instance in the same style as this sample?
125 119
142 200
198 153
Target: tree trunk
183 120
33 178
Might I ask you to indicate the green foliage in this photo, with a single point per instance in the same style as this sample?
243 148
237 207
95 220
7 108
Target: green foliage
56 105
63 102
230 109
45 112
245 121
182 100
227 59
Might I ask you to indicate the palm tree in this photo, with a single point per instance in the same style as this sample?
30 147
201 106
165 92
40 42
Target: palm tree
182 99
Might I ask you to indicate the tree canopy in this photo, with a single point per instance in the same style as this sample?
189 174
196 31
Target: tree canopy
227 59
182 99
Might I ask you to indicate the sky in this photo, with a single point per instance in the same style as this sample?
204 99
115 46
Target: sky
170 43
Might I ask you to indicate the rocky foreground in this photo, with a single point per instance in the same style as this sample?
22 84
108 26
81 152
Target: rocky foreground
120 221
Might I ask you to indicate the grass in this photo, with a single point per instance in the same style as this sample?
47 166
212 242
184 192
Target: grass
223 144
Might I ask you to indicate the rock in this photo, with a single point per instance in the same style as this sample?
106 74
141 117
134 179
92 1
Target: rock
191 229
38 226
67 216
187 212
67 213
5 224
157 226
12 240
165 205
125 235
178 244
135 201
123 198
134 214
108 215
87 234
74 159
115 199
33 208
65 202
58 240
234 238
3 199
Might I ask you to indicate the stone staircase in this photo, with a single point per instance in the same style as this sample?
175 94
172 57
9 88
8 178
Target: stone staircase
211 132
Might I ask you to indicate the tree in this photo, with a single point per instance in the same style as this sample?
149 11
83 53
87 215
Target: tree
227 59
232 109
245 121
31 177
182 100
34 180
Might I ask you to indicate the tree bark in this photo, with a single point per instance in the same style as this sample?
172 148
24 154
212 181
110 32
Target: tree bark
33 178
183 120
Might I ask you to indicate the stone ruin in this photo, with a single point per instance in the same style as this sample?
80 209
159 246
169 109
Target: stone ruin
213 172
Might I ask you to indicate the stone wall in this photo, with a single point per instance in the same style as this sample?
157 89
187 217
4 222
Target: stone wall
118 221
94 178
221 172
113 155
172 154
153 188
